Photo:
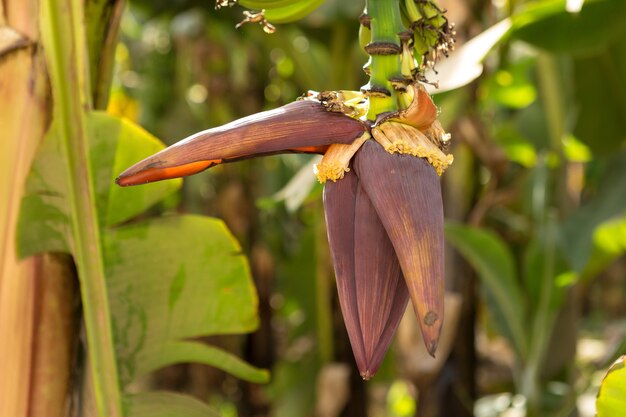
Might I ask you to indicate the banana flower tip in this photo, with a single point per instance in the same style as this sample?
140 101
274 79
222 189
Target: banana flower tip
145 172
367 375
432 348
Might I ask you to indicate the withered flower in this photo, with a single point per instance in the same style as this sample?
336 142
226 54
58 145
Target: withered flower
382 199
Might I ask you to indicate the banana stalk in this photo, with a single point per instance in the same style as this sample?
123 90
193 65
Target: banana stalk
384 19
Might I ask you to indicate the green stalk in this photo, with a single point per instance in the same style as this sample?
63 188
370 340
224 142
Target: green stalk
103 17
543 322
385 24
64 42
545 315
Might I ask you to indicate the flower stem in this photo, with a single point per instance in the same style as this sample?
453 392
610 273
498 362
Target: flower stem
385 22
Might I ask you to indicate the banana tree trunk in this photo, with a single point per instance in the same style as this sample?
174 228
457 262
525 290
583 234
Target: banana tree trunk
38 295
36 346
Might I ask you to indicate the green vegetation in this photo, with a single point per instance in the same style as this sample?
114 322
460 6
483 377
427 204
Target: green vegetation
221 286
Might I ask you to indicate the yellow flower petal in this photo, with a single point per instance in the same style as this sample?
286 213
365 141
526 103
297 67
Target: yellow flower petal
400 138
335 162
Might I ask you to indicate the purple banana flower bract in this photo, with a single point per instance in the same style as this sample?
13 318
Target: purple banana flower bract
384 217
372 292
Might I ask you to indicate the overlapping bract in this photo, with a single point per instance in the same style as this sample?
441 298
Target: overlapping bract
302 126
383 208
372 291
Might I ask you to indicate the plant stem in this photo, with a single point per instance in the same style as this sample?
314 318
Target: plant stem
24 115
546 313
324 290
104 17
543 321
385 23
64 42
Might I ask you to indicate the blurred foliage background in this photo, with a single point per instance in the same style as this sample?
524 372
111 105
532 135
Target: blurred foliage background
535 205
538 175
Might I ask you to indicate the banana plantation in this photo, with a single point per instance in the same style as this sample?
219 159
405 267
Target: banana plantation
312 208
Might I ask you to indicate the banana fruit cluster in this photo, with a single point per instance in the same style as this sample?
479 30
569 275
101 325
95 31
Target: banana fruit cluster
429 38
433 35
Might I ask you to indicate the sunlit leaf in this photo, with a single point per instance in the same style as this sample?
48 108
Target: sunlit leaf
494 263
174 278
611 400
574 6
174 352
575 150
45 219
609 243
400 400
165 404
117 144
611 236
511 86
277 11
156 270
516 147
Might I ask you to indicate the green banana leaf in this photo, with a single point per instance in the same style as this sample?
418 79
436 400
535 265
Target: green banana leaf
609 243
44 223
169 279
282 11
611 400
165 404
175 278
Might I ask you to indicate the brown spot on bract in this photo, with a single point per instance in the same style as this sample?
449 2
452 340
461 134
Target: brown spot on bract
430 318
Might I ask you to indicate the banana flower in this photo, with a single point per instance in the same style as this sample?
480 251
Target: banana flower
382 199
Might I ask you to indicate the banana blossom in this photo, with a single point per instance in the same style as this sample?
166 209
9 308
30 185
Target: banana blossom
382 199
